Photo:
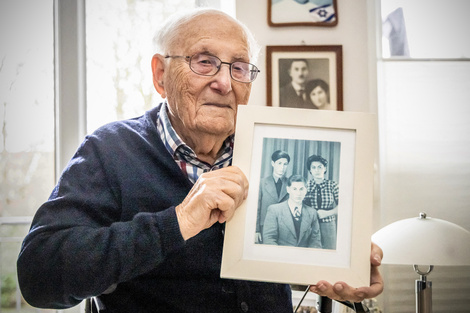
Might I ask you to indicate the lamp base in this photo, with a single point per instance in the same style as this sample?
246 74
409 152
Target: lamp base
423 291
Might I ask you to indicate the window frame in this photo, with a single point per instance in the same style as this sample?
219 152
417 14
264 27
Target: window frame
69 79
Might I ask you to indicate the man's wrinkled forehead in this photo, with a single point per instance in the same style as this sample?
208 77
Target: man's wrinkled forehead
208 26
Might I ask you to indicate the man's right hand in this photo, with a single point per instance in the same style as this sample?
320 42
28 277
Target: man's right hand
214 198
258 238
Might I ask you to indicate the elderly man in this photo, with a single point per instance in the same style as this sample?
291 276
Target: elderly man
137 216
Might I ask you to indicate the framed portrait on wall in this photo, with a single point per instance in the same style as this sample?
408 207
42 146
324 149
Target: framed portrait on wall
305 77
302 13
339 143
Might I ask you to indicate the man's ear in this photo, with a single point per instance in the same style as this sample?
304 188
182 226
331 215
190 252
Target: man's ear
158 69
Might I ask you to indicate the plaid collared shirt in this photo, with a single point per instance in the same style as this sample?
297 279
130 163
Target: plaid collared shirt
184 156
329 194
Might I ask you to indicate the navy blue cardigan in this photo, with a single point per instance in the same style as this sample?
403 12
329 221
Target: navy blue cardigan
110 227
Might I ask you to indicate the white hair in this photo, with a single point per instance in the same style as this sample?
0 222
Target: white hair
168 33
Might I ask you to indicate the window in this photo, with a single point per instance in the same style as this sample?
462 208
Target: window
27 128
425 29
119 76
424 122
119 84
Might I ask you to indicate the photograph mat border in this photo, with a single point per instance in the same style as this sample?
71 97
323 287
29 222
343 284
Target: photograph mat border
236 265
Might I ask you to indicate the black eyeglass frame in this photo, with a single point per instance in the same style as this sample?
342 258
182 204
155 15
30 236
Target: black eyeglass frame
254 71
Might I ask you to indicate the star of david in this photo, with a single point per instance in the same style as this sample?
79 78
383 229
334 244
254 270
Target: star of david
322 13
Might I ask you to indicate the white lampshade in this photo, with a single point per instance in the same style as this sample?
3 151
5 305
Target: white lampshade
424 241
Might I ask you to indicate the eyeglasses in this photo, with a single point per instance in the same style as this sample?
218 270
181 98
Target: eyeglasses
209 65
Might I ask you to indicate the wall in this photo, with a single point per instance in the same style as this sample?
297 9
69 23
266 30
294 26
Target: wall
352 32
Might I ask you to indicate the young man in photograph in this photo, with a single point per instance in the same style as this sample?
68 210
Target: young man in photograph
291 223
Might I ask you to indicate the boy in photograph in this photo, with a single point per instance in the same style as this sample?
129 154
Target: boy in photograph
272 189
291 223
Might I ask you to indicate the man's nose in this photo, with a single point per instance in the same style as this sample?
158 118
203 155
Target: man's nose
223 79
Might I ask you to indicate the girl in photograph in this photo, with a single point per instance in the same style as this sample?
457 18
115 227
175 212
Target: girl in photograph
318 93
322 195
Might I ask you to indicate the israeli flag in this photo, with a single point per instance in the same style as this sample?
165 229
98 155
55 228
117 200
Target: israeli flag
324 13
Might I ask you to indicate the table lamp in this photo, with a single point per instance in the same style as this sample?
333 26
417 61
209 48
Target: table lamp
424 241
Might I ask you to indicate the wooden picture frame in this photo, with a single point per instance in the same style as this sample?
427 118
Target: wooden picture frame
245 258
321 68
302 13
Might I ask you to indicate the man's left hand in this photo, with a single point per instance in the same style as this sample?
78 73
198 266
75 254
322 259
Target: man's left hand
343 292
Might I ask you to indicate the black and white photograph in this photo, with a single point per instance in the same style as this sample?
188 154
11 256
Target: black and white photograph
302 13
306 77
298 193
304 83
310 173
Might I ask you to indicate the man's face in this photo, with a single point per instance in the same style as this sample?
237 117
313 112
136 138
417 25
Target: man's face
280 167
206 105
298 72
297 191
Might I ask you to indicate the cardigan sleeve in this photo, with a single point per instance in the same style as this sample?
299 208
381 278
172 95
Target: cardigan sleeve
79 245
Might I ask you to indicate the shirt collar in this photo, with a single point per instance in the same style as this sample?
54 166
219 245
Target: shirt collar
314 184
292 207
276 177
168 134
297 87
175 145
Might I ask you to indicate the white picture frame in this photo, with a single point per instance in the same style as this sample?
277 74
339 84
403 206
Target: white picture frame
243 258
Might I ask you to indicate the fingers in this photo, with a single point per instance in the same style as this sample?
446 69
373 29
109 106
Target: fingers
213 198
339 291
376 283
230 191
376 255
343 292
376 280
258 238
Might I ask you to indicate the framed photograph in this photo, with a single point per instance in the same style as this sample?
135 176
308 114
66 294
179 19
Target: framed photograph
309 151
305 77
302 13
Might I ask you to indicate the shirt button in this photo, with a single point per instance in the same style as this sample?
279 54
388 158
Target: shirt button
244 306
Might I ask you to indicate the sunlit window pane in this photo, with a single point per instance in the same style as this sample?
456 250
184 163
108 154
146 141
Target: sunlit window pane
119 36
26 105
26 131
426 28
